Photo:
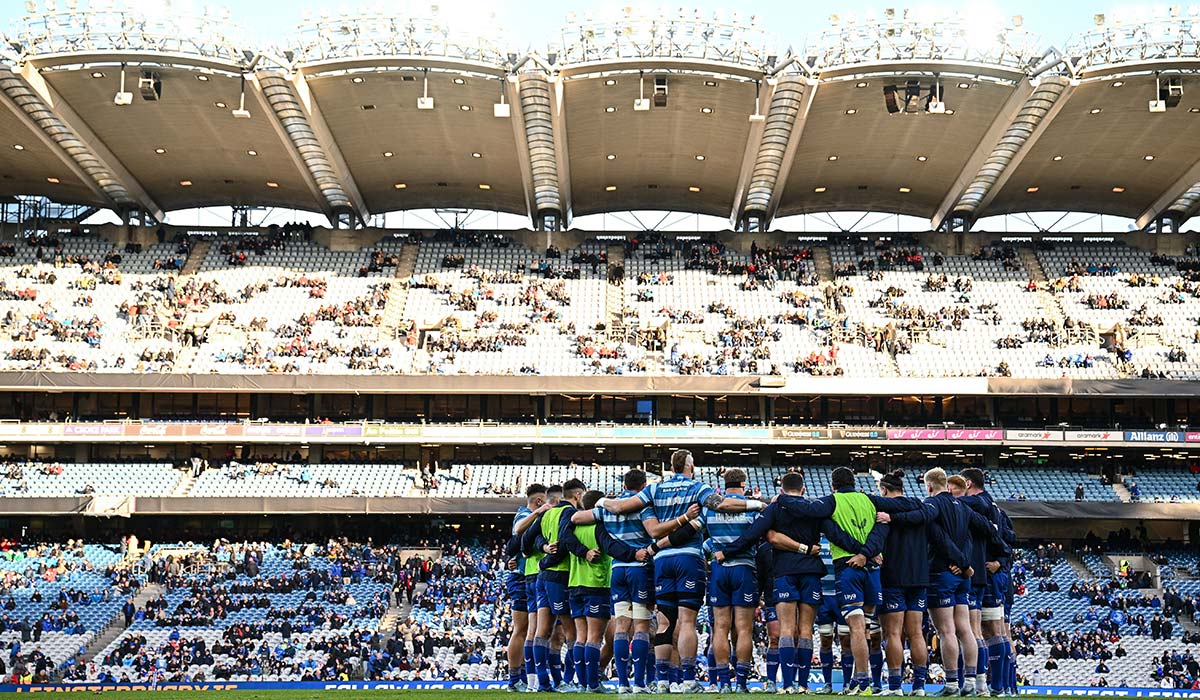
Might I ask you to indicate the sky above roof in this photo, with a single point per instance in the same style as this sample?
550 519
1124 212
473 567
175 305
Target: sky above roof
532 24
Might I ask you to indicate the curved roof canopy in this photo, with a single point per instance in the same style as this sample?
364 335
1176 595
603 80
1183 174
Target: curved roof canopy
371 113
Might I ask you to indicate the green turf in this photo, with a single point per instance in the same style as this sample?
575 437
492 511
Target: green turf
372 695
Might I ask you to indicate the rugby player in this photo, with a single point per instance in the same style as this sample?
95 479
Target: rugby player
632 591
679 573
522 575
592 550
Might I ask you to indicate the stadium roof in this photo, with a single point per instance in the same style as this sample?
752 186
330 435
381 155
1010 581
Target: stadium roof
730 126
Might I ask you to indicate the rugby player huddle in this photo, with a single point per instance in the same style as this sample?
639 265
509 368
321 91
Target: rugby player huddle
622 580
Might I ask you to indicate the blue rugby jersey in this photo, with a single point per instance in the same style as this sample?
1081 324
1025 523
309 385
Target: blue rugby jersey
724 528
522 512
627 528
829 578
670 499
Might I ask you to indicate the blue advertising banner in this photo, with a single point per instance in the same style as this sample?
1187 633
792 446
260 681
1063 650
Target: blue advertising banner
1153 436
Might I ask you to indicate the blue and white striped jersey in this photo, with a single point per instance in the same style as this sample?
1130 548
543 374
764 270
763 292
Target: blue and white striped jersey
724 528
627 528
670 499
522 512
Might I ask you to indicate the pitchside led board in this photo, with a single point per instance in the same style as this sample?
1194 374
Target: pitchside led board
501 685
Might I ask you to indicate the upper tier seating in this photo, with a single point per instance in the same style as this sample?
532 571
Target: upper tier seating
35 479
486 304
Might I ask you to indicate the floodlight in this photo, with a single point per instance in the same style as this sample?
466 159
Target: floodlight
123 98
241 112
425 101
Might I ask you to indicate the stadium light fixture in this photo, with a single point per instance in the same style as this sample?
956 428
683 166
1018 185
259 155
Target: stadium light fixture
272 185
459 81
484 186
922 159
97 74
425 101
641 104
160 151
1032 188
252 153
611 156
399 185
610 188
693 188
1057 158
185 183
123 98
936 106
706 110
905 190
501 109
52 180
476 154
1118 189
852 111
18 147
819 190
1147 157
241 112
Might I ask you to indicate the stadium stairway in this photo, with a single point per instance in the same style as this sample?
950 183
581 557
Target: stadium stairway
823 263
398 611
614 295
393 311
1050 304
183 487
1122 492
1033 266
116 625
196 257
1081 570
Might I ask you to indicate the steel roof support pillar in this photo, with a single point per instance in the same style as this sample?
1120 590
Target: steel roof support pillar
770 151
1004 157
298 120
32 99
540 98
